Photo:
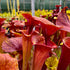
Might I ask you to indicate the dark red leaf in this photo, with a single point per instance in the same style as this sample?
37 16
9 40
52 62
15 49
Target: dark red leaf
48 27
63 20
43 16
18 23
41 53
30 22
29 19
12 44
1 21
27 45
2 38
57 8
65 54
51 44
7 62
64 9
37 38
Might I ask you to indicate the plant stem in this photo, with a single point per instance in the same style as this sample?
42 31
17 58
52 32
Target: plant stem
11 5
8 5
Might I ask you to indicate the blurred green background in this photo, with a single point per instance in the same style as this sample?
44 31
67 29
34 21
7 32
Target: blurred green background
39 4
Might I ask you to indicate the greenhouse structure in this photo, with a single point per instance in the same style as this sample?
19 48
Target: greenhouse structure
34 34
39 4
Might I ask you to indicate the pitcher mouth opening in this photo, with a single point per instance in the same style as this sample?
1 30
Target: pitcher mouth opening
66 42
